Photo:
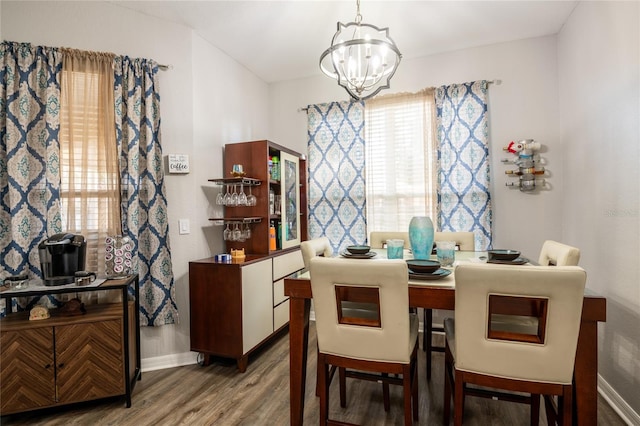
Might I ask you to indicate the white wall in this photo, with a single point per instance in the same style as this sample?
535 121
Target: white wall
599 75
524 106
207 100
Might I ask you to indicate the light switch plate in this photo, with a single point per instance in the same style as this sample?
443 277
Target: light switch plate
183 226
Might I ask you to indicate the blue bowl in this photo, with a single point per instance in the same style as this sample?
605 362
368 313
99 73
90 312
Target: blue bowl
359 249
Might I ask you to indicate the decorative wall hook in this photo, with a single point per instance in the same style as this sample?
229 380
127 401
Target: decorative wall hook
530 169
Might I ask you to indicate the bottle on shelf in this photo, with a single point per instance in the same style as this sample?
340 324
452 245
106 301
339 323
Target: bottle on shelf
275 169
272 201
272 237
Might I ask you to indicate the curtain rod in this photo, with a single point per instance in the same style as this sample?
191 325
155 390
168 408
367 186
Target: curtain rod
497 82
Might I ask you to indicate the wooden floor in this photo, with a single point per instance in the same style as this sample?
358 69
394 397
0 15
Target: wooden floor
218 394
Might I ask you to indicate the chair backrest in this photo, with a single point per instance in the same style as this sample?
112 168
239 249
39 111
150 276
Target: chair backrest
464 240
378 239
315 247
551 294
384 285
558 254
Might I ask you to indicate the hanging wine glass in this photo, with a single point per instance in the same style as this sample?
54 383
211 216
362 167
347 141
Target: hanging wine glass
226 235
247 232
242 197
234 197
251 199
237 233
220 198
227 197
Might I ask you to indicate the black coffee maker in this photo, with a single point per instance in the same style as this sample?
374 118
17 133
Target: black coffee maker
61 256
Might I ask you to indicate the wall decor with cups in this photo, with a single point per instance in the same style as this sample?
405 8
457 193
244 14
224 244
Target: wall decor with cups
530 172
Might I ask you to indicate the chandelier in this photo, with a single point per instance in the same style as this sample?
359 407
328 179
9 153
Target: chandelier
362 57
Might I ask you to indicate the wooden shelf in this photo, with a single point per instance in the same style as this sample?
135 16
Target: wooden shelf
225 220
237 181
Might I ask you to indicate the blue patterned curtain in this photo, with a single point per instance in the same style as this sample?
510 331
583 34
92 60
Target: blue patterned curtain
144 203
336 173
463 156
29 154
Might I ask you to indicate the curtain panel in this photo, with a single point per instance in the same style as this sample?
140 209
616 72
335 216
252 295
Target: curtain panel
144 202
463 157
29 154
336 173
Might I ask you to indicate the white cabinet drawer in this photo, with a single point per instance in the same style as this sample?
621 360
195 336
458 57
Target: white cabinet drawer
278 292
280 315
287 264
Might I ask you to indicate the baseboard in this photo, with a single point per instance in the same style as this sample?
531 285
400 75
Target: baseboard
619 405
168 361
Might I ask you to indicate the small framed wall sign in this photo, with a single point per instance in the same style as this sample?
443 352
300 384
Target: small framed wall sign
178 163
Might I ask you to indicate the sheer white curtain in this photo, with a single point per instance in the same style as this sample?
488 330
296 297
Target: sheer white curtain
401 160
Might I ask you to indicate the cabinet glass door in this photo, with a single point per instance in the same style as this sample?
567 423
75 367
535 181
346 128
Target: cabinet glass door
290 181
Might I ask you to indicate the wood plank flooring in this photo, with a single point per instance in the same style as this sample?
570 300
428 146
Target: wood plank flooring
219 395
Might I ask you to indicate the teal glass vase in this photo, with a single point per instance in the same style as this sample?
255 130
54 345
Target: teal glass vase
421 236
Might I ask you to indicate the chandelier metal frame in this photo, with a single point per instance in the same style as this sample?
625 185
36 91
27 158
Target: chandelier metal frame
363 63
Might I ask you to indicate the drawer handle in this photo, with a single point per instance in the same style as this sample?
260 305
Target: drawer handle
47 366
61 365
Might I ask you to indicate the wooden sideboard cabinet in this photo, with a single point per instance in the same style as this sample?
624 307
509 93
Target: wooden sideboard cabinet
68 359
236 307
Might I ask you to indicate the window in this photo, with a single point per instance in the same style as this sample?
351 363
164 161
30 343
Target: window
401 160
89 190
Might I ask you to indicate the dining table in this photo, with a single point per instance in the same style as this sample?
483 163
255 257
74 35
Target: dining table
440 294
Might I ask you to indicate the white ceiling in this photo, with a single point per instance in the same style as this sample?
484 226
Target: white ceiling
283 40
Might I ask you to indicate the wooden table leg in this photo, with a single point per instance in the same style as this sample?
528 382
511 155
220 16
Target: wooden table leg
298 344
586 375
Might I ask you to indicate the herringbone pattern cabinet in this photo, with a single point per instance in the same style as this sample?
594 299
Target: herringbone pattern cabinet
68 359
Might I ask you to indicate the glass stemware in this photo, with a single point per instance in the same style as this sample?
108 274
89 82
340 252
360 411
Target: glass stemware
242 197
226 235
234 197
251 199
247 232
227 197
220 198
236 234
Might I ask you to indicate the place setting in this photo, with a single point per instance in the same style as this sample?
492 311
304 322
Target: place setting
358 252
506 257
426 270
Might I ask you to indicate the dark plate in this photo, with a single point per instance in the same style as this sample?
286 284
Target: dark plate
358 256
503 254
423 266
358 249
440 273
517 261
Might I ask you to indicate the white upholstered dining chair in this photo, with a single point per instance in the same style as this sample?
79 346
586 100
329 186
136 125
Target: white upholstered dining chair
378 239
466 242
385 344
558 254
316 247
534 361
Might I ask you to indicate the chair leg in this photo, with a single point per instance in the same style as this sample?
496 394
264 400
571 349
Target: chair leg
448 375
342 376
427 338
323 389
407 393
414 390
458 399
385 393
566 406
535 409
